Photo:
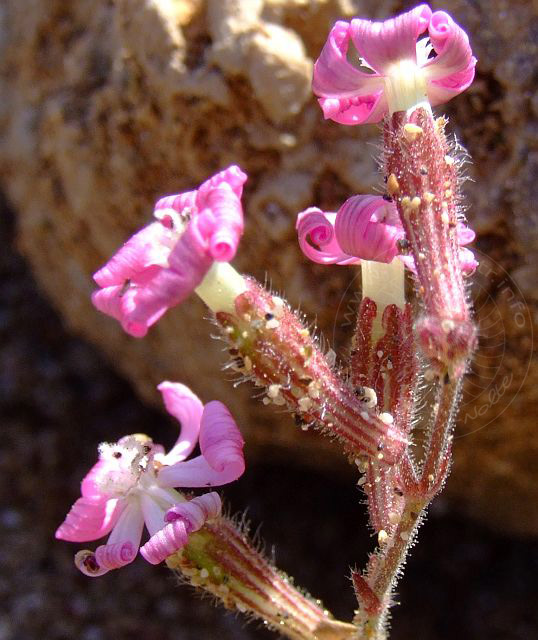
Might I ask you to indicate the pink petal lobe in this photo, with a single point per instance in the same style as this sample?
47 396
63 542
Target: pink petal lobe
197 472
222 458
89 519
142 250
334 76
187 408
368 227
315 227
90 485
441 91
112 302
189 263
109 301
381 44
365 109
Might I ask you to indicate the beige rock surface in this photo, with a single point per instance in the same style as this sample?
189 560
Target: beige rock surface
108 105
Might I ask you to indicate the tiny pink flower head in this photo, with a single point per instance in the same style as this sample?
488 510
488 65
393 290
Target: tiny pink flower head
166 260
442 59
133 482
364 228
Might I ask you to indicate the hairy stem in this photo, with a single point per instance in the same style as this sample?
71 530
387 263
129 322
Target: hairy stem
386 565
220 559
270 345
437 449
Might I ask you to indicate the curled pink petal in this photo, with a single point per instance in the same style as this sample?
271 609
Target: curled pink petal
315 227
383 43
187 408
171 538
114 556
365 227
182 519
141 251
334 76
226 207
221 442
232 176
121 548
122 545
195 512
141 307
450 43
117 301
105 558
368 227
178 202
203 227
453 68
89 519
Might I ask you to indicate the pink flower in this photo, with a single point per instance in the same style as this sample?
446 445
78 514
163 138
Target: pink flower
132 485
442 60
365 227
165 261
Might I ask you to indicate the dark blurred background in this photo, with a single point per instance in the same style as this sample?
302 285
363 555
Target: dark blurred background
59 399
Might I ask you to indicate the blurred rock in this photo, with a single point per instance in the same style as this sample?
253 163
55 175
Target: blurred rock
107 106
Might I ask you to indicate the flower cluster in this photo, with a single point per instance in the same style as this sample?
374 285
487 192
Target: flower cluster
370 406
133 482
